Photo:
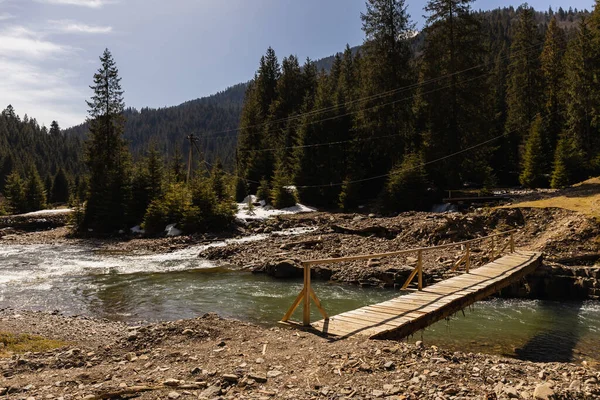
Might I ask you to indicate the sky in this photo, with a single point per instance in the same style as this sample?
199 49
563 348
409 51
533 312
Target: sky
167 51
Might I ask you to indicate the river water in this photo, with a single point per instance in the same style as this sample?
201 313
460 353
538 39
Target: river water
132 288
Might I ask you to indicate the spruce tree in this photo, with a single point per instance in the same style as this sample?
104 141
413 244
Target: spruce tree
524 84
60 187
107 156
252 164
582 100
218 182
385 66
35 192
319 165
54 129
534 158
14 190
563 163
553 69
451 110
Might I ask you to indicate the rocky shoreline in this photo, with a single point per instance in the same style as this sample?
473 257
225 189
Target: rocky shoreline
211 357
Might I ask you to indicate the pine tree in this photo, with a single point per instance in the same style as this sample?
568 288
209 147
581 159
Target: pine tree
48 188
261 93
60 187
14 190
453 109
553 70
218 182
524 84
176 169
147 184
54 129
385 66
321 166
406 188
534 158
35 192
107 156
582 100
282 195
564 158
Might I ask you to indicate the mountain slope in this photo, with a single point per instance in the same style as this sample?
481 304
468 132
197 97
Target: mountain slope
215 118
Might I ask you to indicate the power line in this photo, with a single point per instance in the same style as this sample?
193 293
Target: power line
376 96
425 163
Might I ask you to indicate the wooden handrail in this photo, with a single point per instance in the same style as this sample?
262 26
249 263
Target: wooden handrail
308 293
402 252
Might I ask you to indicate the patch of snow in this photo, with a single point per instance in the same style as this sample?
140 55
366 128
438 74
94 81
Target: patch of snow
172 231
266 211
48 212
251 198
137 229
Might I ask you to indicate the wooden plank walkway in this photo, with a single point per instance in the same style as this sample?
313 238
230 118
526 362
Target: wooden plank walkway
407 314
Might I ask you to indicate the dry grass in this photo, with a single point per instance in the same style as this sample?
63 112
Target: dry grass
583 197
11 344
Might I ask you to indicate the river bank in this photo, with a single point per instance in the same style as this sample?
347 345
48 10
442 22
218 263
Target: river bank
569 240
211 357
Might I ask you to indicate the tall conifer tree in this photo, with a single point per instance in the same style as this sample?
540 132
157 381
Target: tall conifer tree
107 156
453 112
385 66
554 76
524 84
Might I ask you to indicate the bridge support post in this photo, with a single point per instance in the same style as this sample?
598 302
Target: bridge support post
307 289
468 257
305 296
512 243
420 268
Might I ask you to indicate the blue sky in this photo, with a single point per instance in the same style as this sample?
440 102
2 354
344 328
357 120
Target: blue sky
168 51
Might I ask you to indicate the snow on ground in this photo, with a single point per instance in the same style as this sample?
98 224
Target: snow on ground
42 213
264 211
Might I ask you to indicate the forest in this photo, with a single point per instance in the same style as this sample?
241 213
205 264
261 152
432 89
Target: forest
477 99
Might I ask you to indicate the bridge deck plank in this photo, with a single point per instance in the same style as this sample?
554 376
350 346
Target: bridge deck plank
406 314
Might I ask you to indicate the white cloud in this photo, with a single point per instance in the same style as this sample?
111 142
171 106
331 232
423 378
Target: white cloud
33 81
81 3
18 41
43 93
4 16
69 26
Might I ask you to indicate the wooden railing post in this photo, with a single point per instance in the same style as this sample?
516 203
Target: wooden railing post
468 256
493 247
512 243
420 267
307 290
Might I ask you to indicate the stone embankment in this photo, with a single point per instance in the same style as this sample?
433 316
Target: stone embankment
210 358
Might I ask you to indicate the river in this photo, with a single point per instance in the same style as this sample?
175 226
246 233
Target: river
79 280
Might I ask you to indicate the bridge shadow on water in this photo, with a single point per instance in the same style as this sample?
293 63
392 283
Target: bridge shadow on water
559 336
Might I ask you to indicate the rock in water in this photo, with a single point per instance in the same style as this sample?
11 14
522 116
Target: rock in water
284 269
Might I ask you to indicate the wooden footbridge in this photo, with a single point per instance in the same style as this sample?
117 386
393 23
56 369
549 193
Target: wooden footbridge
409 313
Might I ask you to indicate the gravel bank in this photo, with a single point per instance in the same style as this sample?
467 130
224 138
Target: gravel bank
210 357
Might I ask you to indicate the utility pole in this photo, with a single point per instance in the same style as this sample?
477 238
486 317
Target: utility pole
193 139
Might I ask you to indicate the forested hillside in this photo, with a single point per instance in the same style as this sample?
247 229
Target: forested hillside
32 158
494 98
167 128
500 97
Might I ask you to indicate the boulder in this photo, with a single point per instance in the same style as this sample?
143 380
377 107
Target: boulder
285 269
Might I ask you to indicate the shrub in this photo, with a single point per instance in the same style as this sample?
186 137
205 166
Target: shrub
407 186
282 195
264 191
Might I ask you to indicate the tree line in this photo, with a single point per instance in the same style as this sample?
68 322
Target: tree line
489 99
38 166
